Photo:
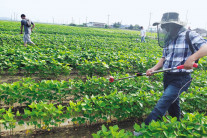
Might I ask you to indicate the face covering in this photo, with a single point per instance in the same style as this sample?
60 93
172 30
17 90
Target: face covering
167 33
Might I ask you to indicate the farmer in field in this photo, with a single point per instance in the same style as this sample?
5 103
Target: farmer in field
143 34
176 51
28 26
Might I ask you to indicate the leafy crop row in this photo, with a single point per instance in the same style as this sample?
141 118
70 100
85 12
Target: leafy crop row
91 52
28 91
89 110
62 48
192 125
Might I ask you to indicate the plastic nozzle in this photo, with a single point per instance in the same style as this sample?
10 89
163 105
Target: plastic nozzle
111 79
195 65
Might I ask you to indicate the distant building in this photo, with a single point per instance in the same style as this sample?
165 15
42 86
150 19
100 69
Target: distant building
153 32
152 29
96 24
5 18
124 26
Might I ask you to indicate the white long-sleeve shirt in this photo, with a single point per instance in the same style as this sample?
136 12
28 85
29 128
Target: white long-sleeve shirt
143 33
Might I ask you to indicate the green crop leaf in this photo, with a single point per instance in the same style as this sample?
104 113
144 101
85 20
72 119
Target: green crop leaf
18 114
115 128
95 136
165 133
143 125
136 127
165 119
21 122
190 127
174 119
2 121
104 129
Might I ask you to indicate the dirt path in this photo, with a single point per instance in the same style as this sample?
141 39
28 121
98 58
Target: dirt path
70 130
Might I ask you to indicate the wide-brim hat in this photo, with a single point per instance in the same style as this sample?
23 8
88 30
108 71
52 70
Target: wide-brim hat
170 17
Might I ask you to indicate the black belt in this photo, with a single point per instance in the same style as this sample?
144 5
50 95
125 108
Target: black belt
177 73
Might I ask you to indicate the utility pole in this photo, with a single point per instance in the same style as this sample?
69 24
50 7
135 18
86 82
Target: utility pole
149 20
108 19
86 19
14 16
72 20
186 17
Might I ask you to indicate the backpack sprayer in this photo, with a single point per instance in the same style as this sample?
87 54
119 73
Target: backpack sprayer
111 79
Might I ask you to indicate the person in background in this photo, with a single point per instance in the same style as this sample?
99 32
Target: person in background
176 51
189 28
28 26
143 34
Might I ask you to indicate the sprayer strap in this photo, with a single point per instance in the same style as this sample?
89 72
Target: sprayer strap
187 38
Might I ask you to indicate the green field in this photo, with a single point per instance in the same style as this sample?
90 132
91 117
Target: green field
65 76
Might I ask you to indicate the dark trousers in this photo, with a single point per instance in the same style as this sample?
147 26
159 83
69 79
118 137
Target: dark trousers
173 87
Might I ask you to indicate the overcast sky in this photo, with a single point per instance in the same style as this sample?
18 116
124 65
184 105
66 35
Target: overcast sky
124 11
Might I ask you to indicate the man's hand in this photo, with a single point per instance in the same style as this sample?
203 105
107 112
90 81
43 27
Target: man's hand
199 54
189 63
149 72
